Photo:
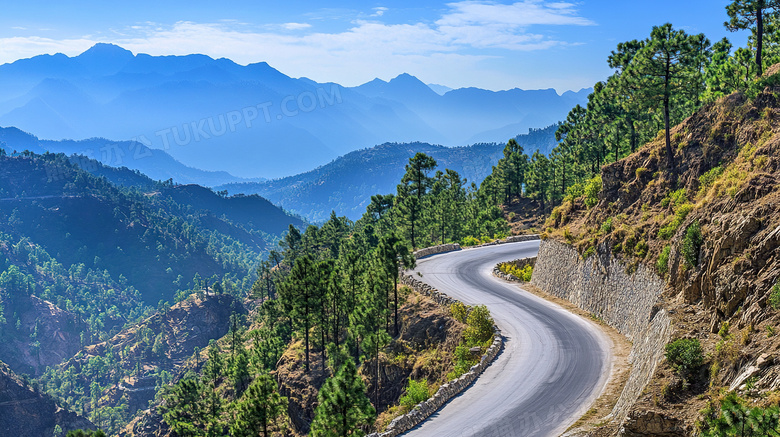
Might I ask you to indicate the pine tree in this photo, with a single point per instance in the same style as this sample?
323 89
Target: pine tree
185 409
260 410
393 253
414 185
744 14
300 293
664 70
343 405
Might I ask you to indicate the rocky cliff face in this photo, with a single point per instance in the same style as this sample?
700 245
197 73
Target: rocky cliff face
25 412
56 332
725 181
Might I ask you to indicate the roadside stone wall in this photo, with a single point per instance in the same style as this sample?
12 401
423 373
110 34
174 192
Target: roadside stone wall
627 302
433 250
423 410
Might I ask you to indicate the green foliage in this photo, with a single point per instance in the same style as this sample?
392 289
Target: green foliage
479 331
86 433
675 198
774 296
685 355
524 274
663 260
463 360
185 408
606 227
707 179
260 410
591 191
681 211
734 418
343 406
458 311
691 244
416 392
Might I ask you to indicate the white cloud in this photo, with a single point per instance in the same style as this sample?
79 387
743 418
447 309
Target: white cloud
516 15
379 11
296 26
443 50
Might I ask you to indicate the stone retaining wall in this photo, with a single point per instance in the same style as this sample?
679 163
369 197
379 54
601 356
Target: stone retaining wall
512 239
433 250
627 302
449 390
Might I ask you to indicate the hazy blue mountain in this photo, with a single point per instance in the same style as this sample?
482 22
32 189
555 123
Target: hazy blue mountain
439 89
155 163
251 121
346 184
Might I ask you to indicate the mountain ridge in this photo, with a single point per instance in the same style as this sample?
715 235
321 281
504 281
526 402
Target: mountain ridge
253 120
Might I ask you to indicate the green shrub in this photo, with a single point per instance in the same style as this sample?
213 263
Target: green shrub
774 296
416 392
470 241
641 248
480 327
588 252
707 179
606 227
685 354
675 198
692 244
663 259
523 274
458 312
591 191
574 191
463 360
681 212
640 171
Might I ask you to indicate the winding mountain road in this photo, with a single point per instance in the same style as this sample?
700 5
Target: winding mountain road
554 363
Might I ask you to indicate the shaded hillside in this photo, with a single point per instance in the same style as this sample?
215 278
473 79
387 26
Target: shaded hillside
80 257
26 412
252 211
155 163
79 219
711 227
347 184
214 114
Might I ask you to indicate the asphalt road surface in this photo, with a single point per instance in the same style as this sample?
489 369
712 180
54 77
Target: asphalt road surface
553 366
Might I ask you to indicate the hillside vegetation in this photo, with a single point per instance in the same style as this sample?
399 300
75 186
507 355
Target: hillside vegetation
347 183
699 204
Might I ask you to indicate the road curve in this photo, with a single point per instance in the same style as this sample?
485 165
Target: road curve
554 363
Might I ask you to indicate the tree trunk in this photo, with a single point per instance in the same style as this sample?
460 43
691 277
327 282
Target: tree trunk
395 297
667 79
306 338
759 40
322 339
633 136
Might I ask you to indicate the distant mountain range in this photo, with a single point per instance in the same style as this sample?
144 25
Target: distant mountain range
252 121
155 163
346 184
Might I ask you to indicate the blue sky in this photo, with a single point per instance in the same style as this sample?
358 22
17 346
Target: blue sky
527 44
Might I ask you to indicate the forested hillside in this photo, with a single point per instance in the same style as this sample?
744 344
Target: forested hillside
334 329
347 184
81 257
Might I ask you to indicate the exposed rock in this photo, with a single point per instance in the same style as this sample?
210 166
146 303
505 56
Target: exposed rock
25 412
57 332
651 423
